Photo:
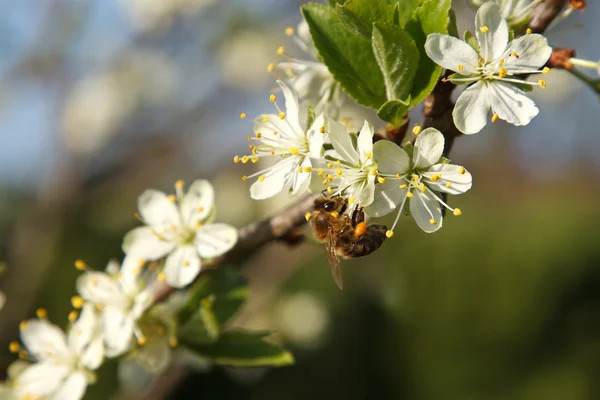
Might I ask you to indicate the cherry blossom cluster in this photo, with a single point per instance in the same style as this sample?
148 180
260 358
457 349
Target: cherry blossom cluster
313 151
113 308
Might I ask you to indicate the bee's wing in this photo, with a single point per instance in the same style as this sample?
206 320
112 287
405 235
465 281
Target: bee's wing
334 261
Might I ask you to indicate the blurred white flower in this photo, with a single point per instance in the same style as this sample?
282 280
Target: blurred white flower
123 295
62 364
158 15
418 179
282 136
179 227
493 71
302 318
514 11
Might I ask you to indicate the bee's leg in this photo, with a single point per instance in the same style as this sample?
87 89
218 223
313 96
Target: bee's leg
358 216
351 246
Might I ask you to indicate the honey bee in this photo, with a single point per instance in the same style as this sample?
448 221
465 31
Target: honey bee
343 235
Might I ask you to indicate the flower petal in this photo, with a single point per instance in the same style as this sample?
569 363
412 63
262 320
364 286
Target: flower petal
424 207
459 179
367 191
82 330
44 340
40 379
315 137
275 180
450 52
198 201
429 147
156 209
292 107
365 142
100 288
142 302
491 31
73 388
511 103
390 158
155 357
342 142
118 330
472 108
182 266
215 239
388 196
301 180
145 244
93 355
532 50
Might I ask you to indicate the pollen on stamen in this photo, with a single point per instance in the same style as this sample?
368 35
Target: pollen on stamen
515 54
433 221
542 83
272 98
289 31
389 233
80 265
369 154
73 316
409 195
320 171
23 325
325 182
338 172
329 190
280 50
403 186
179 184
142 340
457 212
461 67
307 169
448 185
462 170
374 171
528 31
254 159
270 67
173 342
436 177
265 119
41 313
322 129
307 216
161 277
351 200
172 198
282 115
261 178
546 70
484 29
417 130
245 159
244 177
249 137
14 347
294 151
77 302
495 117
236 159
380 179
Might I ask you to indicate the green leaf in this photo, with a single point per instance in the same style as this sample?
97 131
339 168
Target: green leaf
310 117
360 15
471 40
405 9
333 3
431 17
452 25
348 55
443 160
241 348
398 58
394 111
202 327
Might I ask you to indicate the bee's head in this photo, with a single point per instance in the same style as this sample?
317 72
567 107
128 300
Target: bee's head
331 204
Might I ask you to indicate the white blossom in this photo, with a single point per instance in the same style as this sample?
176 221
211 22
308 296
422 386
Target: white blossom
310 78
283 137
62 364
514 11
493 71
349 169
123 295
179 227
418 180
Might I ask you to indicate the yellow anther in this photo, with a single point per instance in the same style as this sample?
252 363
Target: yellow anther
172 198
436 177
77 302
270 67
14 347
243 115
502 73
249 137
186 263
329 190
422 188
23 356
338 172
258 135
330 177
325 182
415 177
282 115
329 165
322 129
280 50
546 70
515 54
294 151
173 342
272 98
433 221
41 313
289 31
457 212
389 234
461 67
484 29
369 154
337 162
245 159
23 325
416 130
501 61
161 277
448 185
351 200
254 159
398 176
380 179
244 177
265 119
236 159
542 83
374 171
528 31
403 186
307 169
179 184
462 170
80 265
261 178
320 171
495 117
335 214
142 340
73 316
409 195
275 133
307 216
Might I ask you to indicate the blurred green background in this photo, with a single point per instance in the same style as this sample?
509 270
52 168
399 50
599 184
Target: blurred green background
102 99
